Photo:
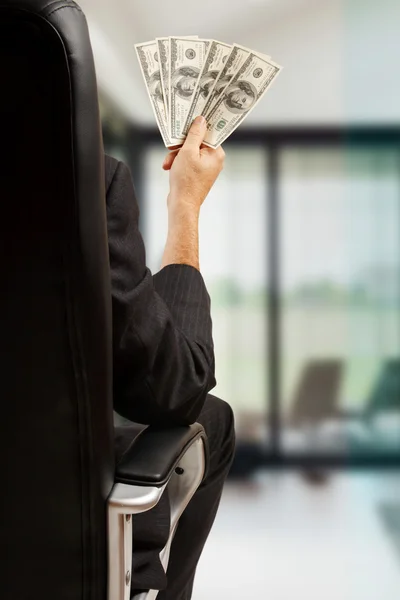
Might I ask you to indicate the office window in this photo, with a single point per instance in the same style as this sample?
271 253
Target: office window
340 299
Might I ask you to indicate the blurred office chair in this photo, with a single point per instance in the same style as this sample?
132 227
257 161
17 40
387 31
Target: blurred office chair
385 396
316 397
65 507
315 403
381 417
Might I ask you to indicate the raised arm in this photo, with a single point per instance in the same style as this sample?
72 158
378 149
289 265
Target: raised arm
163 348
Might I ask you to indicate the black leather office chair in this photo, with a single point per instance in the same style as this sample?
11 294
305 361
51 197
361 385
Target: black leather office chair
65 510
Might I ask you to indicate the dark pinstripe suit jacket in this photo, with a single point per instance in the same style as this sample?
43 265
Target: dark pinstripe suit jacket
162 332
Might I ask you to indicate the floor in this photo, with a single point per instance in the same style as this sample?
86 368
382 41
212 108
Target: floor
282 538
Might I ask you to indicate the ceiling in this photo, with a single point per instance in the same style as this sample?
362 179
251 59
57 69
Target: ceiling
308 37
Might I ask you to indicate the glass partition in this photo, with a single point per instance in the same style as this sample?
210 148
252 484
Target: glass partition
340 300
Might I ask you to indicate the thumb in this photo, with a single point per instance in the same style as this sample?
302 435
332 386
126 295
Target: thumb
196 133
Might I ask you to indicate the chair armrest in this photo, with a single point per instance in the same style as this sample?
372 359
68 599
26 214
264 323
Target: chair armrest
155 453
175 457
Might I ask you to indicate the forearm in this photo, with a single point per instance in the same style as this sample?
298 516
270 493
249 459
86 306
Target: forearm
182 245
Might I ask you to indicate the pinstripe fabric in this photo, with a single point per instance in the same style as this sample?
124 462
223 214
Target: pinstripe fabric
162 330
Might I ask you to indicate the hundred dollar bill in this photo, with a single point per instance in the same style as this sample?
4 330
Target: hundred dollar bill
186 62
234 61
239 98
150 66
216 56
163 55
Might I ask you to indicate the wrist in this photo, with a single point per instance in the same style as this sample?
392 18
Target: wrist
182 245
182 205
183 219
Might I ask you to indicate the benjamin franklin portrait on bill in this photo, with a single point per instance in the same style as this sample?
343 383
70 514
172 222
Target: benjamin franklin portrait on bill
240 97
184 80
155 86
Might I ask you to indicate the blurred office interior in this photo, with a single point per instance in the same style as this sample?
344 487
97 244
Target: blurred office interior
300 249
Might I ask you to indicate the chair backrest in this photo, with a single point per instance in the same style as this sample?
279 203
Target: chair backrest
317 395
56 459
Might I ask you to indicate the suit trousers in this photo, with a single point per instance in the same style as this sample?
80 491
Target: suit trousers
151 529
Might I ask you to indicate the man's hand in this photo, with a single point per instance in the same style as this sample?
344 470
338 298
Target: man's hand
193 171
193 168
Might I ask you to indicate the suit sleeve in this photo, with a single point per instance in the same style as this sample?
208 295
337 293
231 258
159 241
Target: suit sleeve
162 331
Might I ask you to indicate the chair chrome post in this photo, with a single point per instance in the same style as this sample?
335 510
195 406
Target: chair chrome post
125 501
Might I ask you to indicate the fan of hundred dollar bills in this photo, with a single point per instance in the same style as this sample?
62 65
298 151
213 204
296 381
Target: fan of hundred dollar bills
188 76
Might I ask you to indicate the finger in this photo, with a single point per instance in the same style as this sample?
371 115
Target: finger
169 159
196 133
172 153
167 166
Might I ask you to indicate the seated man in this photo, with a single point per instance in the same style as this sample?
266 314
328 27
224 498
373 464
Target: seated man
163 353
